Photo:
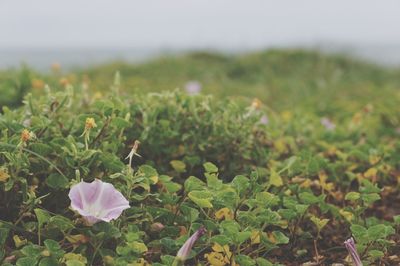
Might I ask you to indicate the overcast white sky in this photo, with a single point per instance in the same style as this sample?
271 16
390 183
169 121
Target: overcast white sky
197 23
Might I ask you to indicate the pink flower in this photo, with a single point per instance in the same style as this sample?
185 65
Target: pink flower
184 252
193 87
351 248
97 201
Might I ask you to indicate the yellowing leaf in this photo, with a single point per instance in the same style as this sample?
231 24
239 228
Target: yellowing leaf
280 146
19 242
275 179
306 183
224 213
322 181
3 175
371 172
220 256
286 116
218 248
319 223
201 198
216 259
178 166
154 179
73 239
255 237
347 215
374 159
271 238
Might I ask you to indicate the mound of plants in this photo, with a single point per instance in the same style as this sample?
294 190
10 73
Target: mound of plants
95 178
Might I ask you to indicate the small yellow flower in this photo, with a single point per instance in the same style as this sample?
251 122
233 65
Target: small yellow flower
90 123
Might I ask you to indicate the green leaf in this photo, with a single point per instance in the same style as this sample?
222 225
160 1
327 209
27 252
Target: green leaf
280 237
49 262
193 183
320 223
213 182
32 251
201 198
220 239
111 162
138 247
369 187
370 198
244 260
57 181
54 248
210 167
120 123
240 183
61 223
178 166
242 236
309 198
189 213
42 216
41 149
263 262
379 231
27 261
375 254
396 219
73 259
267 199
359 232
107 229
352 196
3 235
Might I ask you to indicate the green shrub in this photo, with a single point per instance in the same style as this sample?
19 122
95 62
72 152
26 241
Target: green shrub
287 191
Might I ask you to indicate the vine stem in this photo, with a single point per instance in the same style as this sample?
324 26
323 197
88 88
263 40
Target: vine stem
37 155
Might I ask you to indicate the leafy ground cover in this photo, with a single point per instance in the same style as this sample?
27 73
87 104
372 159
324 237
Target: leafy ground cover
283 179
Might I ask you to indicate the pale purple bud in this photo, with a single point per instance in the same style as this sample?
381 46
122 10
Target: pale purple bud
351 248
328 124
157 227
193 87
97 201
264 120
184 252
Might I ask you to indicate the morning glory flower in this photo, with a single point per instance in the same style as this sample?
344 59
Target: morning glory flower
184 251
97 201
351 248
193 87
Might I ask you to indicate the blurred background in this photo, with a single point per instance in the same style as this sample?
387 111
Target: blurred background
331 58
80 34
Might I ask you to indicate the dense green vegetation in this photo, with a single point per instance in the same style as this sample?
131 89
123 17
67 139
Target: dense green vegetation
285 179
